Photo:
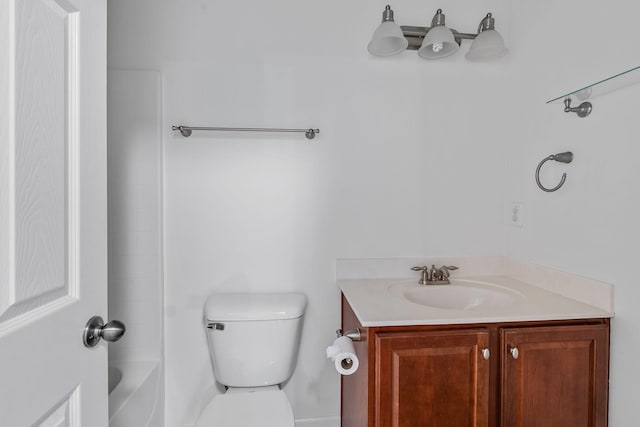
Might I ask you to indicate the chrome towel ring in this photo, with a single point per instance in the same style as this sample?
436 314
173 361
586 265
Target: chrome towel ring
565 157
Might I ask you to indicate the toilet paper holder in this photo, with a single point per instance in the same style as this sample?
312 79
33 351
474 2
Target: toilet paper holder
352 334
342 352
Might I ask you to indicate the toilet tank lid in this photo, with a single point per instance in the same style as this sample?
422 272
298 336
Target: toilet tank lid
255 306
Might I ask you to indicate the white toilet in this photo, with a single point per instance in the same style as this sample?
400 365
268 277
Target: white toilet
253 343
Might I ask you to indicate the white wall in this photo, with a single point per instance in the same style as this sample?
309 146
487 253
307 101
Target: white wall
414 158
590 226
135 214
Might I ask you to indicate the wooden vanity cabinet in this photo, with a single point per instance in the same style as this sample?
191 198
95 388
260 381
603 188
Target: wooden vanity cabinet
551 374
437 378
555 376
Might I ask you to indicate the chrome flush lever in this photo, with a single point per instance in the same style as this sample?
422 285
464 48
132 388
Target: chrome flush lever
215 326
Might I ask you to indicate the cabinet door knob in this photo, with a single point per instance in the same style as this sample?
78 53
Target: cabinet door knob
486 354
514 352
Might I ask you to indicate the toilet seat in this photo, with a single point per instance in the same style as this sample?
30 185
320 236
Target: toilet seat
248 407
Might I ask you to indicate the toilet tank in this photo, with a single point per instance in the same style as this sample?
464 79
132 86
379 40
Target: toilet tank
254 338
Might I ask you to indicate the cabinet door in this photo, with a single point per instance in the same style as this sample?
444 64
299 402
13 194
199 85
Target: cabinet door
435 379
555 376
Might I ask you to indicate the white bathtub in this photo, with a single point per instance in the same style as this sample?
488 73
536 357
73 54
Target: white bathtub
134 399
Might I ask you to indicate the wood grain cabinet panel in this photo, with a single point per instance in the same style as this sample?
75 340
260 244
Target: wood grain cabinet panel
436 379
555 376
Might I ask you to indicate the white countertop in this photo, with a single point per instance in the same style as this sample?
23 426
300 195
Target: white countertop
546 295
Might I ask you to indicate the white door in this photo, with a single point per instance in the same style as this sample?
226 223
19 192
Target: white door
53 245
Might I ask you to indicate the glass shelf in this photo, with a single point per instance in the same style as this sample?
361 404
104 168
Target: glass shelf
602 87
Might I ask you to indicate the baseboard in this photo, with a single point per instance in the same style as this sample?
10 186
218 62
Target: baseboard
311 422
319 422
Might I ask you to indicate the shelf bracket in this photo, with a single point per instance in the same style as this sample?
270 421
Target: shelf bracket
582 110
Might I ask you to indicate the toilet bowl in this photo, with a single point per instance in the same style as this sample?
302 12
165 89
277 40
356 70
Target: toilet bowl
259 407
253 343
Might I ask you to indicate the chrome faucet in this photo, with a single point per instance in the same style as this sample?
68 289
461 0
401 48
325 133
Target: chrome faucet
434 276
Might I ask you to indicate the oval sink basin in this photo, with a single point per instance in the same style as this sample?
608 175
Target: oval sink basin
459 295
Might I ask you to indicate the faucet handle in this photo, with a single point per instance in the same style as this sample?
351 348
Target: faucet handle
426 276
445 269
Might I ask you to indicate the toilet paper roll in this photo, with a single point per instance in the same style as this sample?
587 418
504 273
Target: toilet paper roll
343 355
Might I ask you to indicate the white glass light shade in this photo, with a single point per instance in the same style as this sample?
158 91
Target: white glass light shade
387 40
438 43
488 44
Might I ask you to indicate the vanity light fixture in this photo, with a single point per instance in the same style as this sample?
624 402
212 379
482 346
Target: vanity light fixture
437 41
388 39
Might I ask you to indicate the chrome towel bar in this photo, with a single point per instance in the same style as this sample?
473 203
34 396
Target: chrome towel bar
186 130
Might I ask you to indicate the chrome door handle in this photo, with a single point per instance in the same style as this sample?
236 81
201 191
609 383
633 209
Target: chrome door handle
95 330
